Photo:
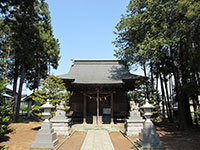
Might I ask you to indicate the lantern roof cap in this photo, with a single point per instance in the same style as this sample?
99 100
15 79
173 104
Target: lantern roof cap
47 105
147 105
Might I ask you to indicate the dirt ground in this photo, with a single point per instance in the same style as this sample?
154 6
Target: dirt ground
74 142
22 137
121 143
173 139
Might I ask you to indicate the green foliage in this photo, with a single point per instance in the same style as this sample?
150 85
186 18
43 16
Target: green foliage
4 147
5 110
197 114
154 30
140 94
27 44
53 89
24 108
164 36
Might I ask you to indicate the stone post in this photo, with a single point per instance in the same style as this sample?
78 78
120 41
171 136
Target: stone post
134 124
112 110
150 139
46 137
84 109
60 123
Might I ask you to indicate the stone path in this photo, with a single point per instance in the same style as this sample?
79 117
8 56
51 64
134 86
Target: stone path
97 140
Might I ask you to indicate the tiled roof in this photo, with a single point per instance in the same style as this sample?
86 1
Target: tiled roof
98 72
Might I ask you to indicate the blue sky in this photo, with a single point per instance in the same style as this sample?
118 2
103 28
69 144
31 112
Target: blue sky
85 28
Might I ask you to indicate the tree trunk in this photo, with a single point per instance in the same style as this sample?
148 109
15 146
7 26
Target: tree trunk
195 109
186 113
157 93
170 92
181 110
6 66
157 82
15 88
163 96
145 74
182 115
185 103
151 71
167 99
20 93
38 77
194 97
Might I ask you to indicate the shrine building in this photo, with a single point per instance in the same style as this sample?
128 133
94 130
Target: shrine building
99 90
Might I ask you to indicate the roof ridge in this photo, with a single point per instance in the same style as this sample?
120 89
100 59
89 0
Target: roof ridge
96 62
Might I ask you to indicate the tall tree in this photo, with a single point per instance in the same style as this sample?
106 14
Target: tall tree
33 45
156 29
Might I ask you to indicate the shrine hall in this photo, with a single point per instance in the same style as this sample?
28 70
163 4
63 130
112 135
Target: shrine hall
99 91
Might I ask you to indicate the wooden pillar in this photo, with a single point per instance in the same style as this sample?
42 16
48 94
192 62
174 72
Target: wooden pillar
84 108
97 105
112 111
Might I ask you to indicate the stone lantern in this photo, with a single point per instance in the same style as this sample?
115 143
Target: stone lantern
47 111
148 111
150 139
46 137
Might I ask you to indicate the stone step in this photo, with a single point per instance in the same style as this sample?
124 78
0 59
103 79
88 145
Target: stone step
97 140
88 127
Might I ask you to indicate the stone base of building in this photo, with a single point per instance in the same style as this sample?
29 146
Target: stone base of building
61 127
134 128
134 124
60 123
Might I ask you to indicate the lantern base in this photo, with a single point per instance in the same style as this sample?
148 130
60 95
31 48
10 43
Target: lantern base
150 139
46 137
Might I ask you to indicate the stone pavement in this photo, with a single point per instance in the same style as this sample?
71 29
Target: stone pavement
97 140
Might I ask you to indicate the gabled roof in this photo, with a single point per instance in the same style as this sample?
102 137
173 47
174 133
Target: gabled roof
98 72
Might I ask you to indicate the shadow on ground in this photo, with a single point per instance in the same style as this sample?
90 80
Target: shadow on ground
175 139
36 128
4 138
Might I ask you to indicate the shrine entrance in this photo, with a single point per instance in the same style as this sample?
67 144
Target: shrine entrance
97 108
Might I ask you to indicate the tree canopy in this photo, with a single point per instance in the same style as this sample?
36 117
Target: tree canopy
52 88
27 44
164 37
